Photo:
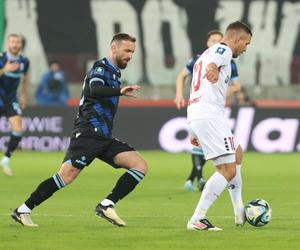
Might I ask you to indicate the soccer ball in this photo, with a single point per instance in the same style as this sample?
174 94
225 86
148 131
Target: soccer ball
258 212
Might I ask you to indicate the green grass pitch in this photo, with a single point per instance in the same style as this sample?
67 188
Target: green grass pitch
156 212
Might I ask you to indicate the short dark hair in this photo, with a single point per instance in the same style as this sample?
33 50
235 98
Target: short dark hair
54 62
214 32
238 25
15 35
122 37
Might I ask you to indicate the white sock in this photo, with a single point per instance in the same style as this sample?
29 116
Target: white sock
213 188
107 202
24 209
235 190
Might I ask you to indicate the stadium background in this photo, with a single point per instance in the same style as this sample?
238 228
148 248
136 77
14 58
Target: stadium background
169 32
76 32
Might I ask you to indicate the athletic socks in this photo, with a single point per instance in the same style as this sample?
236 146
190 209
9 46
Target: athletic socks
15 138
126 183
45 190
214 187
235 190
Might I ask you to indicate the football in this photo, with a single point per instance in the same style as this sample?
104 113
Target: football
258 212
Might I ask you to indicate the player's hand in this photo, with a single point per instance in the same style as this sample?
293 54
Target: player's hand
22 101
180 102
129 90
212 73
194 142
11 66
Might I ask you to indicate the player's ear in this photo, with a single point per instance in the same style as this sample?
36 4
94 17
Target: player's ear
237 39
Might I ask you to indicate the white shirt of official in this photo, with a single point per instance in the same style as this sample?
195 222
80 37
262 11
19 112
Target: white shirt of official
207 100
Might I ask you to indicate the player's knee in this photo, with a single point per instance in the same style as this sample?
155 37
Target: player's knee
142 166
231 172
68 174
227 170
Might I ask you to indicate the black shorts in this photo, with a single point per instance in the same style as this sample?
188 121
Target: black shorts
83 149
10 109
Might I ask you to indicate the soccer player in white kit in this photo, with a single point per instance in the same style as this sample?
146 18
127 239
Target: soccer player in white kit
208 126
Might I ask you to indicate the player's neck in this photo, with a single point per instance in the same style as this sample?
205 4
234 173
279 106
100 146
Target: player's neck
112 62
12 55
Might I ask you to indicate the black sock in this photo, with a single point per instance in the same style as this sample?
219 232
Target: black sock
45 190
126 183
15 138
198 164
193 173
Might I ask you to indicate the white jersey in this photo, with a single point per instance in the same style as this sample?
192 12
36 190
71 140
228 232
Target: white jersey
207 100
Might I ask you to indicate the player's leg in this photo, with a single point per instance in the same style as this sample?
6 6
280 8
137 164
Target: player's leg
226 170
15 137
198 163
216 140
75 160
235 190
136 170
188 185
44 191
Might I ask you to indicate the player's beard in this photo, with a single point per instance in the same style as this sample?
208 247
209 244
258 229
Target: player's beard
14 50
121 63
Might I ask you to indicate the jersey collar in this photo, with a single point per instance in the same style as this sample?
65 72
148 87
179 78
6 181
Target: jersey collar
11 57
115 67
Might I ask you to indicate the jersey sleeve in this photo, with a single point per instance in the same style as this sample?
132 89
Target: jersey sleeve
97 76
234 71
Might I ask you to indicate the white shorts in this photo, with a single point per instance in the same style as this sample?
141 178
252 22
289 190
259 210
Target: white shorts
214 136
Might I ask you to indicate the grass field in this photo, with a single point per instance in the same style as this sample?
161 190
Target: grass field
156 212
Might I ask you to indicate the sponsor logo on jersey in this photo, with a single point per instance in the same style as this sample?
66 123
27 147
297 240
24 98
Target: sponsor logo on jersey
220 50
100 70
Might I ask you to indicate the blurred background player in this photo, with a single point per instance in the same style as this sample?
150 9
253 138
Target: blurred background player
53 88
92 137
13 72
198 159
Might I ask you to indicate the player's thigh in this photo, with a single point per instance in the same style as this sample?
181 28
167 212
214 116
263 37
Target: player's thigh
239 155
214 135
121 155
82 150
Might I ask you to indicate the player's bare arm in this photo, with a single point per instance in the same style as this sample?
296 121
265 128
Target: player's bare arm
179 99
24 87
212 73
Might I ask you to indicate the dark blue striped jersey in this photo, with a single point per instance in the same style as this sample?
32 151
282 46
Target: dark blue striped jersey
10 81
96 114
190 65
